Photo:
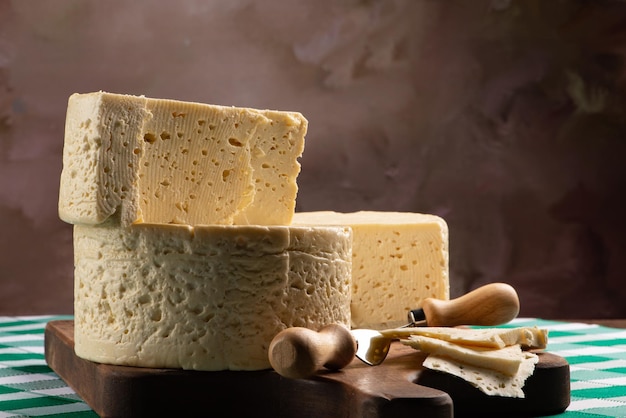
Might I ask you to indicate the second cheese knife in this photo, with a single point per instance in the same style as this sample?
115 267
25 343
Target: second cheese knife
489 305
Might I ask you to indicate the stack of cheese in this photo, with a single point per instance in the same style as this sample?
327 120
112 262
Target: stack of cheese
185 252
496 361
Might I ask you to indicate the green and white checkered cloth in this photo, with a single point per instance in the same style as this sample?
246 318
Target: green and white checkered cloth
596 354
597 358
28 387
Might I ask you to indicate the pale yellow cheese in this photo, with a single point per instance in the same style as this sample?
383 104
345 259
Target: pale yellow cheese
505 360
491 359
487 380
398 260
204 297
527 337
167 161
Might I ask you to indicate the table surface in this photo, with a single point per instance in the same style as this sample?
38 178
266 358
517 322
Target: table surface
595 350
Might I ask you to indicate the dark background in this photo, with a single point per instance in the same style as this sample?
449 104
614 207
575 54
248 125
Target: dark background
506 118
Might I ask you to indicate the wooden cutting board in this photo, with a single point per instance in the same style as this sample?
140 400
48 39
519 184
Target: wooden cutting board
397 387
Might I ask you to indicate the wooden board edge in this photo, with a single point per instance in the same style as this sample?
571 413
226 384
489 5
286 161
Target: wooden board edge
122 390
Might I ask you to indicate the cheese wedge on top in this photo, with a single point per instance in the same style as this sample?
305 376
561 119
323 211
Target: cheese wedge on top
168 161
398 260
204 297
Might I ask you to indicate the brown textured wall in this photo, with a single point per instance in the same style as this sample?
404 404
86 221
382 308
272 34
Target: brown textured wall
504 117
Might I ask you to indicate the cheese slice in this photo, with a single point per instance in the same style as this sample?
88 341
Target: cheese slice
487 380
398 260
527 337
204 297
505 360
167 161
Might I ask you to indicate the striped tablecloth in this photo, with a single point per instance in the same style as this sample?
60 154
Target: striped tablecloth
597 358
596 354
28 388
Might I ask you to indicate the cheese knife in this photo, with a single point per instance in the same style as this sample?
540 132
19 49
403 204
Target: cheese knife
298 352
489 305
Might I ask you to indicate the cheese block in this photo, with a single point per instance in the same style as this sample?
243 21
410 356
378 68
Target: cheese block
505 360
168 161
398 260
526 337
204 297
487 380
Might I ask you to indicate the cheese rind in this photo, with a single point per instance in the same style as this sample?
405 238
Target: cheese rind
207 297
399 259
100 131
168 161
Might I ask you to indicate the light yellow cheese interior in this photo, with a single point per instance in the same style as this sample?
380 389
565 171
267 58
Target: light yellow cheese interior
398 260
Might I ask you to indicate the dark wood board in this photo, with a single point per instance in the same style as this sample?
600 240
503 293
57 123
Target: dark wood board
397 387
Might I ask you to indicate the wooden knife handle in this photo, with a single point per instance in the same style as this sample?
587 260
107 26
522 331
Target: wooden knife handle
299 352
492 304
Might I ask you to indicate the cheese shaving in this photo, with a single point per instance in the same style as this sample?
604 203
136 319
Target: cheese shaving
503 360
527 337
488 381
